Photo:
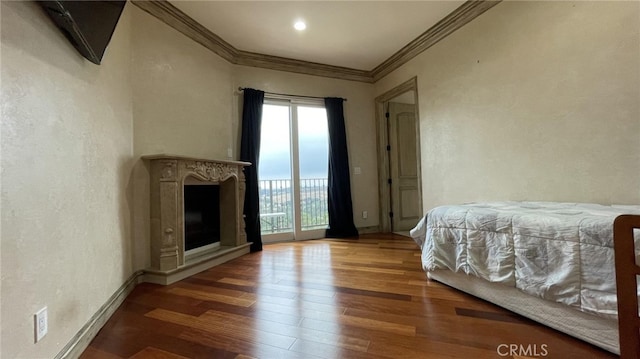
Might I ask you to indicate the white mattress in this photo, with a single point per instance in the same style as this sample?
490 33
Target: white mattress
561 252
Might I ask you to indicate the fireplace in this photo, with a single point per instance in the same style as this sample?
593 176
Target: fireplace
196 215
201 217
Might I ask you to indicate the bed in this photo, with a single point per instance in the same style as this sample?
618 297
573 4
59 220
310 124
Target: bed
551 262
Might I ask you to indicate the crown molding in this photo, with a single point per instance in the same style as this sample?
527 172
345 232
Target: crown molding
174 17
302 67
443 28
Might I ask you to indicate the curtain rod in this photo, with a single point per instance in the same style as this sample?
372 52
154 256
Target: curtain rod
284 94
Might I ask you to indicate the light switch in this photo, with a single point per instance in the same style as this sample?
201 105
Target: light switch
356 170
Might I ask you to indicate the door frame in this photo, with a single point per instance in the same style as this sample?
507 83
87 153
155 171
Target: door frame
297 233
382 137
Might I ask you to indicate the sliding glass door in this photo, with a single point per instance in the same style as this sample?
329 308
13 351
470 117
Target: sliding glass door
292 172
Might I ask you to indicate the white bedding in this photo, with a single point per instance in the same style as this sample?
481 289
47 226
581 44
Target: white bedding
557 251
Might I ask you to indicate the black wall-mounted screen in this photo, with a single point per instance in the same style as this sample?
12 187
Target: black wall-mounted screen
88 25
201 215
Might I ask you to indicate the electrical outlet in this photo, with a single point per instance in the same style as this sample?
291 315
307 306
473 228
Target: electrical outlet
229 152
41 324
365 214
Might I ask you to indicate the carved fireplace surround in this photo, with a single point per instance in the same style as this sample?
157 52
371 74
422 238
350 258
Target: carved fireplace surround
168 176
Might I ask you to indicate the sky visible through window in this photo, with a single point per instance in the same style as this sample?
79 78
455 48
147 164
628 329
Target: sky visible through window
275 150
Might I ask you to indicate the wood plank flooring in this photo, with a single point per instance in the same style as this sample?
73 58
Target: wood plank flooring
365 298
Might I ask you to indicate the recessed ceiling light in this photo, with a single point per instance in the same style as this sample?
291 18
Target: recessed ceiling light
300 25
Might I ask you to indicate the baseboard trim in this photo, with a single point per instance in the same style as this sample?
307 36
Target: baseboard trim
79 343
83 338
368 230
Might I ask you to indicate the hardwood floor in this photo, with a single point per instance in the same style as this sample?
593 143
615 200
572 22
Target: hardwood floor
366 298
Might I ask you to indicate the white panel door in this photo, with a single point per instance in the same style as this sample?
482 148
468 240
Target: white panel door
403 162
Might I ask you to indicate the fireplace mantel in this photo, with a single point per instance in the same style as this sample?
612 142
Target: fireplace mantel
168 176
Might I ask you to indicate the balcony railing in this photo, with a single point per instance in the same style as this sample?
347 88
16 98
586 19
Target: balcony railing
276 205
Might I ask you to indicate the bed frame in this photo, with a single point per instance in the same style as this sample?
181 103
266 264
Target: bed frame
601 332
627 271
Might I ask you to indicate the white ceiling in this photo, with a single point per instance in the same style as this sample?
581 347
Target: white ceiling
354 34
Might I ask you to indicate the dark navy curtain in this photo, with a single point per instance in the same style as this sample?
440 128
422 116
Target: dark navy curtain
339 187
250 152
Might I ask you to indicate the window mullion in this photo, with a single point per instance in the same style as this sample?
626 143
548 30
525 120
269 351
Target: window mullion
295 168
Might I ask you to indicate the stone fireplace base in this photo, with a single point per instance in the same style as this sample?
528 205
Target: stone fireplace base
168 176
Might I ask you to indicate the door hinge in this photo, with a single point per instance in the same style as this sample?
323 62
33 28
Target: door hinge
386 115
389 181
391 214
388 147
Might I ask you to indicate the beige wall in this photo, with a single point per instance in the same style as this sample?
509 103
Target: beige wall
182 93
74 192
66 161
359 123
186 101
182 104
532 101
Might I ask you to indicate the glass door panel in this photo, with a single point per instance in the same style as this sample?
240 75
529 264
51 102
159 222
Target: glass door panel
313 149
292 171
274 173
